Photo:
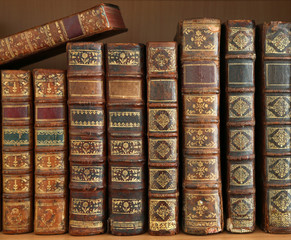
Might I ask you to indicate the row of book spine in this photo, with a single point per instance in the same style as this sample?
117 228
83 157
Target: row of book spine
109 137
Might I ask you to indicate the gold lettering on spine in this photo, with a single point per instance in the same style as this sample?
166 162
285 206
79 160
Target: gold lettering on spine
279 207
162 214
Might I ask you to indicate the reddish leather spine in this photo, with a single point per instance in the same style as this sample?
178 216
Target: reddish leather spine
202 196
163 137
126 138
87 138
240 124
51 161
17 151
103 19
274 128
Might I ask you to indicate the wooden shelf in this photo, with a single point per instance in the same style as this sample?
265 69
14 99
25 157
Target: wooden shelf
258 234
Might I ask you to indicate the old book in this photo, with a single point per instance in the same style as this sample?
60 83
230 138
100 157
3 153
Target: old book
87 138
240 123
17 151
100 21
50 152
274 128
163 137
126 138
202 200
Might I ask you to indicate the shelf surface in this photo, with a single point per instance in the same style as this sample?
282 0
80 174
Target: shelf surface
258 234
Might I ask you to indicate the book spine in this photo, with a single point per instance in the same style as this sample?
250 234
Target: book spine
99 19
163 137
50 124
87 138
275 128
202 196
126 138
17 151
240 122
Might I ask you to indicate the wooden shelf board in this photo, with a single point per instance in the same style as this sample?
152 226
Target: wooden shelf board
258 234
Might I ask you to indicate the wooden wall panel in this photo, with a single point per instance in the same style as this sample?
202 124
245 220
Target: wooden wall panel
153 20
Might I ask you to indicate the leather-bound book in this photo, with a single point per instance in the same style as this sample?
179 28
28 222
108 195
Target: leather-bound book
87 138
274 128
17 151
163 135
240 123
202 197
126 138
50 152
49 39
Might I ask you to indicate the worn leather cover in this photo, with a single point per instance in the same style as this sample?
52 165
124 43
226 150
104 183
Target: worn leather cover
274 127
103 19
202 200
87 138
17 151
126 138
240 123
163 140
50 152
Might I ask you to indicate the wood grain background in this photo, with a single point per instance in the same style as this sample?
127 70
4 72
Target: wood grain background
153 20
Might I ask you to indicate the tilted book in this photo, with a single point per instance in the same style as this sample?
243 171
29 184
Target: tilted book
274 128
100 21
87 138
240 123
50 152
163 137
17 151
202 195
126 138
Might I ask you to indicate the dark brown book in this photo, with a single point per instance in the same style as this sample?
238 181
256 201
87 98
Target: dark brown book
202 196
17 151
126 138
274 128
87 138
163 137
100 21
240 123
50 151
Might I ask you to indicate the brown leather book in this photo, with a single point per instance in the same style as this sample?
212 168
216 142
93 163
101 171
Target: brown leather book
50 152
240 123
17 151
202 200
163 137
126 138
99 22
87 137
274 128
